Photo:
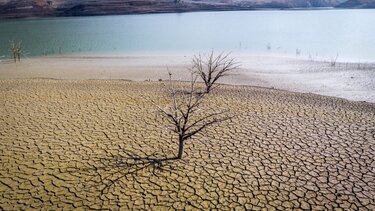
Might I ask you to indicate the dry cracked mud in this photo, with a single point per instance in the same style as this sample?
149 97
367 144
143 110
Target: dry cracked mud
82 144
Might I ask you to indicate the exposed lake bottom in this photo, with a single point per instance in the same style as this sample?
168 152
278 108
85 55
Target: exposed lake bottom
353 81
75 143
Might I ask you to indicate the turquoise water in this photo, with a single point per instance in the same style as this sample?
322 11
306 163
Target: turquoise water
318 33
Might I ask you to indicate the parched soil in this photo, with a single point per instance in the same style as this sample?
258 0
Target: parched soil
97 144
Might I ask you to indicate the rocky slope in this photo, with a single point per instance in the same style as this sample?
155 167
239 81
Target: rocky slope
42 8
361 4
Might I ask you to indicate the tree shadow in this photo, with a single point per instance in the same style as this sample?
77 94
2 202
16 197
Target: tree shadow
103 175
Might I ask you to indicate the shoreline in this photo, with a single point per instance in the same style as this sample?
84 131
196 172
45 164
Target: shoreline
353 81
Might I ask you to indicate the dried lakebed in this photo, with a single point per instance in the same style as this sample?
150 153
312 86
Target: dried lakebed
71 144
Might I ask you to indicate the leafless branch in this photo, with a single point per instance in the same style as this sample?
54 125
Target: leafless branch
334 60
16 48
211 68
187 115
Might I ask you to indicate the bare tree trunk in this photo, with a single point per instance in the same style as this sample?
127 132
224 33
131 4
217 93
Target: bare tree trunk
180 149
186 116
208 89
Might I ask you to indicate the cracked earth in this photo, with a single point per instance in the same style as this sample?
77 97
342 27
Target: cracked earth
98 145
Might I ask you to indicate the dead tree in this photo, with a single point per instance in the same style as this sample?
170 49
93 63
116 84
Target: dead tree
187 115
16 49
211 68
269 46
13 50
334 60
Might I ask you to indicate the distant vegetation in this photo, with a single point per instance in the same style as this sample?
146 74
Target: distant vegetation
16 49
334 61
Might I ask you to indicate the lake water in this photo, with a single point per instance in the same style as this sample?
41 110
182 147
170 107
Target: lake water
320 34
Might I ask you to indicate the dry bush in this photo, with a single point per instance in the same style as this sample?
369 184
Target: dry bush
211 68
16 48
334 60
